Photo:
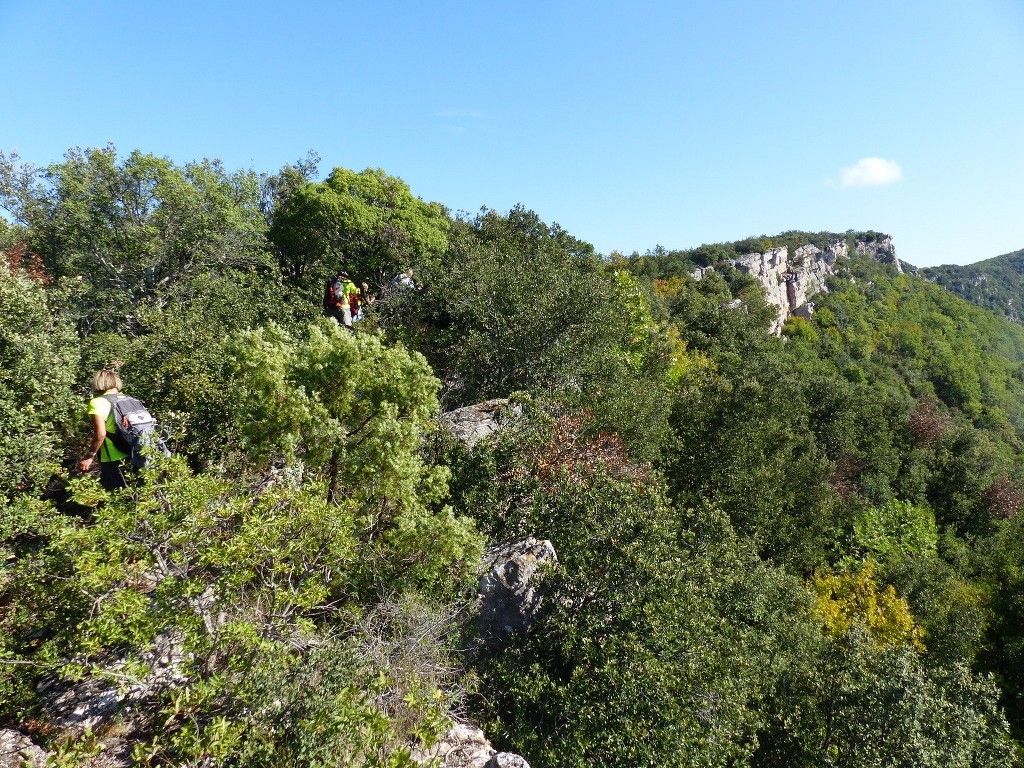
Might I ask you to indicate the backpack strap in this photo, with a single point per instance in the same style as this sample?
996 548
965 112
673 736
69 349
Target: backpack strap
117 439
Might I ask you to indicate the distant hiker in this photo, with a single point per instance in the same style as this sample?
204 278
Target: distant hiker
332 292
368 298
403 281
337 298
355 300
330 306
360 300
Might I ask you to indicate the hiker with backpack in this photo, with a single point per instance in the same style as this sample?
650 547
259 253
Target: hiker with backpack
123 430
403 281
360 300
338 298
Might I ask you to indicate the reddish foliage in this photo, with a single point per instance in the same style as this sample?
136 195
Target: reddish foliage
570 452
39 729
1003 498
927 425
844 477
19 258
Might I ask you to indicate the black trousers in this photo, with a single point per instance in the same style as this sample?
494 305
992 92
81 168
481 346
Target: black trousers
113 474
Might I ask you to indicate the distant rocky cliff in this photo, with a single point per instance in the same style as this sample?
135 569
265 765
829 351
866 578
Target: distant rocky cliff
790 280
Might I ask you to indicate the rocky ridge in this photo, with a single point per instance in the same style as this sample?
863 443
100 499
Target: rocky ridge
790 281
995 284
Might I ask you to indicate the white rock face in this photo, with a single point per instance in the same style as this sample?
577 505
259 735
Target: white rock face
18 751
465 746
882 250
701 272
791 280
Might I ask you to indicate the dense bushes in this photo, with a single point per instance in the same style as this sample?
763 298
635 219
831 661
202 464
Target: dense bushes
800 551
38 360
320 566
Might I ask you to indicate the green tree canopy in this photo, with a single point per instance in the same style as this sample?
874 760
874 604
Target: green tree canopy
519 305
114 232
368 223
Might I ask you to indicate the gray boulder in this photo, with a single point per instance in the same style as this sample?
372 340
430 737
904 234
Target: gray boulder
510 592
475 422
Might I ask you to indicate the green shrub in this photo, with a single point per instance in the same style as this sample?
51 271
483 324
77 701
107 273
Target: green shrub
38 363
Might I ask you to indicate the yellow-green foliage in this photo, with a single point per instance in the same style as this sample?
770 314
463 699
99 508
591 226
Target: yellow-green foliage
683 362
799 328
848 599
633 305
669 288
897 529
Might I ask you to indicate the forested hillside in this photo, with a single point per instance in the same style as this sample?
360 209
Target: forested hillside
771 551
996 284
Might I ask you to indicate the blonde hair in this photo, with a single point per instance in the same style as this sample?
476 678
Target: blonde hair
106 379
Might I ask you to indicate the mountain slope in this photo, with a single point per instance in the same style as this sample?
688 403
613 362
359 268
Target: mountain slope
996 284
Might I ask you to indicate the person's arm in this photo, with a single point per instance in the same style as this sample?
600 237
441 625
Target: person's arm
99 426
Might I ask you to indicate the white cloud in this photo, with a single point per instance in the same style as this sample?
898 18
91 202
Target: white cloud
871 172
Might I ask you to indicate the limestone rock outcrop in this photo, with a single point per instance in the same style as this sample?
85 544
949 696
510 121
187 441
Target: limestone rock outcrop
511 589
96 700
475 422
881 249
18 751
465 746
791 280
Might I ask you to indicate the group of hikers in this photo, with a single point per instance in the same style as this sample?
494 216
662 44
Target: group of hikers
346 302
125 433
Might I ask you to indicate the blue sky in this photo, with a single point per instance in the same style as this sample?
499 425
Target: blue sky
630 124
